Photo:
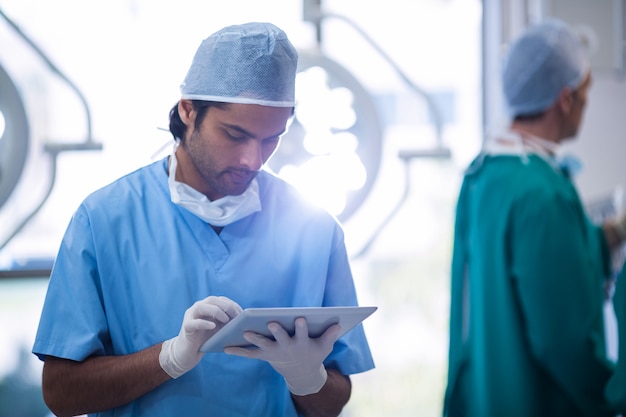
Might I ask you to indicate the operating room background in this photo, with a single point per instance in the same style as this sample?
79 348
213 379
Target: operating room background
128 58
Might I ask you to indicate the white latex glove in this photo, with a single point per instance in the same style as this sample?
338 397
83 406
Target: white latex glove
201 321
620 227
299 359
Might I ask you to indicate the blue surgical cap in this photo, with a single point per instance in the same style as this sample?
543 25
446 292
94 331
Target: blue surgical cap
546 58
252 63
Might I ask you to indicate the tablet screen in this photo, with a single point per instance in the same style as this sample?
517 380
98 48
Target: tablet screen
257 319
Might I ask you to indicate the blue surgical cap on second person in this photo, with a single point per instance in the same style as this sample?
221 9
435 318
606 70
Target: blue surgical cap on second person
544 60
252 63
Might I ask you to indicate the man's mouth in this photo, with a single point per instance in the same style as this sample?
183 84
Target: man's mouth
241 177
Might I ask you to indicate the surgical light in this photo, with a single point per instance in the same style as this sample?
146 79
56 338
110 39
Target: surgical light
16 139
2 125
14 136
333 147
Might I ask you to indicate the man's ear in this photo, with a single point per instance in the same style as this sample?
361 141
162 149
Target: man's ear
187 112
565 100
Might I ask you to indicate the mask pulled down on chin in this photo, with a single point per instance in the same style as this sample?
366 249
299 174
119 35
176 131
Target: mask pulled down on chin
218 213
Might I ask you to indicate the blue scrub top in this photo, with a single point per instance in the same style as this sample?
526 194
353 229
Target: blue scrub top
131 262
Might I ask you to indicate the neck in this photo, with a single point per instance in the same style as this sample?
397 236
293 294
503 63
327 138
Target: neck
536 142
526 129
549 126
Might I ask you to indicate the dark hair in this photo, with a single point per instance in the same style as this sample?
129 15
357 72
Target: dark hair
177 127
529 117
536 116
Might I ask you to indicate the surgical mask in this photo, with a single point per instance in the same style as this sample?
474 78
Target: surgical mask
220 212
571 165
507 142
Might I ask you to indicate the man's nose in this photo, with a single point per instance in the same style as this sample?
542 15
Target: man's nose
252 156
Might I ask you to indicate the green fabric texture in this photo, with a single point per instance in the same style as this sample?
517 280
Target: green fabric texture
616 388
527 332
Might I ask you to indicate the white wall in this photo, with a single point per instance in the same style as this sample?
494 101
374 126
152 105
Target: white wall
601 143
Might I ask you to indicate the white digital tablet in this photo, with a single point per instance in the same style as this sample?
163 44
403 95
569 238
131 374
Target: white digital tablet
256 320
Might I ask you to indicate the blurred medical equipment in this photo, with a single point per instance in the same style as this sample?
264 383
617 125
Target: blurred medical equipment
340 131
13 127
332 150
15 137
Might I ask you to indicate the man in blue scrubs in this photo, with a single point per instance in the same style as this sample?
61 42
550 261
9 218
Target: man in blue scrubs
152 265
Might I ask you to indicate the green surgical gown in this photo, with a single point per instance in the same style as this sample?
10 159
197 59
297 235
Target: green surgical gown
526 324
616 388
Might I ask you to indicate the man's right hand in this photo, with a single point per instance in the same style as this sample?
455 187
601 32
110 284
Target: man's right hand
201 321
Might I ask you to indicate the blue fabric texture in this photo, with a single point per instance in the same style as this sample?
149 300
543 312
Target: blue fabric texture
253 63
546 59
131 262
